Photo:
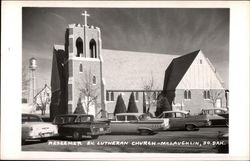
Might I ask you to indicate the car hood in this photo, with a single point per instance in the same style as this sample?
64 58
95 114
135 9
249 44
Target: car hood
37 124
215 116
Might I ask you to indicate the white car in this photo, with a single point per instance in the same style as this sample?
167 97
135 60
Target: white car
33 127
131 123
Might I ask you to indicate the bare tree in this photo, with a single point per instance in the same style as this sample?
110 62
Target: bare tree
43 104
43 100
214 95
150 96
88 90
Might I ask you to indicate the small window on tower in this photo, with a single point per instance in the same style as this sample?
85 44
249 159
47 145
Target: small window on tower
80 68
200 61
107 96
94 80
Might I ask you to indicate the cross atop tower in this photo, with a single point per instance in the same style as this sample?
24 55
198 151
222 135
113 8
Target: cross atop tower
85 14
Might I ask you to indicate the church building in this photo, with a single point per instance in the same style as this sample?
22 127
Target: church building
83 71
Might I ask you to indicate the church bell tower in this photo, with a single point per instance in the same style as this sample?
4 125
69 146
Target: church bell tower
83 45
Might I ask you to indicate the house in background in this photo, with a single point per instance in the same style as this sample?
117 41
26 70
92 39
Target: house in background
191 83
42 101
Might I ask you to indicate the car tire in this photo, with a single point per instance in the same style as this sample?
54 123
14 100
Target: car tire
94 136
44 140
23 142
190 127
145 132
76 135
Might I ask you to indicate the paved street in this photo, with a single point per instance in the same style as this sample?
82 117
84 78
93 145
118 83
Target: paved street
202 141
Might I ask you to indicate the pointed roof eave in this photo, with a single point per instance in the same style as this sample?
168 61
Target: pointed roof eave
215 72
42 90
178 69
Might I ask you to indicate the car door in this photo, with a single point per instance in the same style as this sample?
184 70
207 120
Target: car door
119 125
133 123
176 120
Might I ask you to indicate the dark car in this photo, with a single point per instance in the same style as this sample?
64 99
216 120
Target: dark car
217 116
79 126
223 148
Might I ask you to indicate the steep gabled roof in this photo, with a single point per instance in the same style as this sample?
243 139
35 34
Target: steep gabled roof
177 69
129 70
45 86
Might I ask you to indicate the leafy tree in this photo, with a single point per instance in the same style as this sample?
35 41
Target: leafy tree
79 108
132 108
120 106
162 105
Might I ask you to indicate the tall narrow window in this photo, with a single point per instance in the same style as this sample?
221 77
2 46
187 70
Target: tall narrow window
80 68
92 49
94 80
79 47
205 94
136 96
112 96
208 94
185 94
189 94
107 96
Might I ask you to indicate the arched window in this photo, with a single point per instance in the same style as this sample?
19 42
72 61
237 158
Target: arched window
94 80
189 94
80 68
92 49
79 46
185 94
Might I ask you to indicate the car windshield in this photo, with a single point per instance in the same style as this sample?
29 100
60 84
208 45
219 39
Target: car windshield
174 115
213 111
144 117
83 119
64 119
31 118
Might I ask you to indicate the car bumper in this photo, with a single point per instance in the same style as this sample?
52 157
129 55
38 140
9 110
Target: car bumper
42 135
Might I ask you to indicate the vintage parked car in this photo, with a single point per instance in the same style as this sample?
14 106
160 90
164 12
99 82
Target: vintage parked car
79 126
33 127
134 123
217 116
182 120
223 148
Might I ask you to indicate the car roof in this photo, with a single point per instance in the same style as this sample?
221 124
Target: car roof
29 114
185 112
134 114
73 115
222 109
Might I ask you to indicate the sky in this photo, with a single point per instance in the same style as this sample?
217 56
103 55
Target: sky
174 31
